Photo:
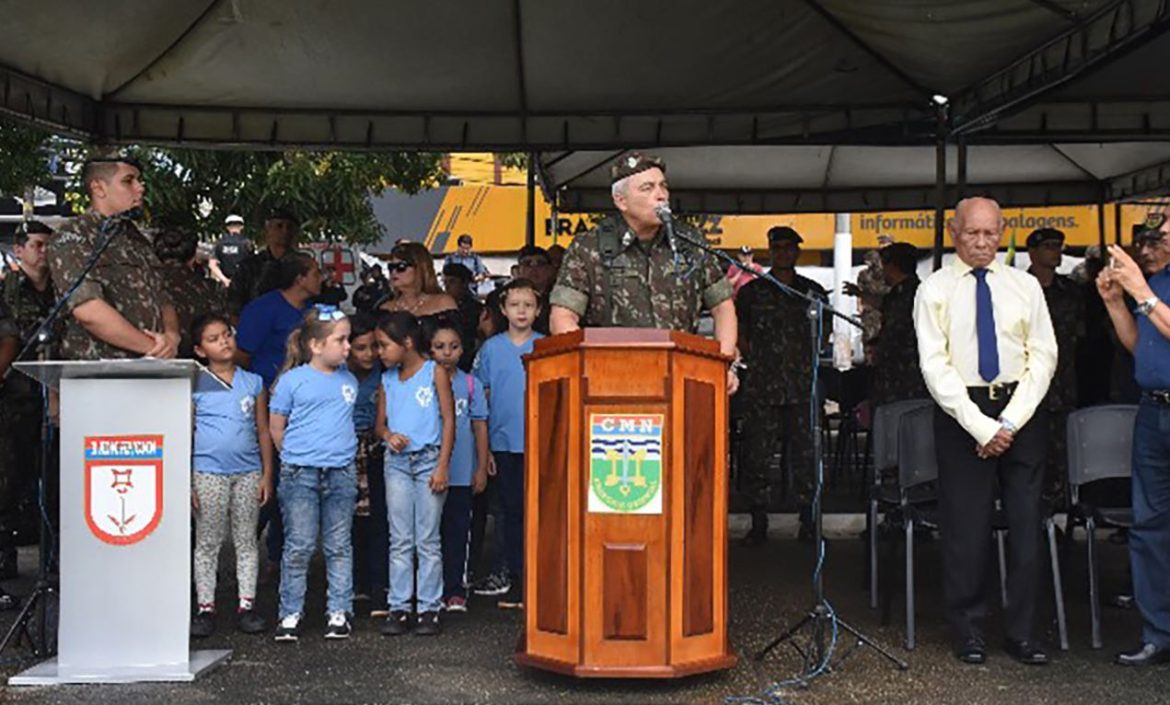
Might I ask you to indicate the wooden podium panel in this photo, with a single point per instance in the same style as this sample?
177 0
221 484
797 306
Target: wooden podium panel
626 589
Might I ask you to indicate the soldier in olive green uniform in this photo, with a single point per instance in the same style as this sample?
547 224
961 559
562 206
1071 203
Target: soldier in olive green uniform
1066 307
28 295
254 275
120 308
774 339
192 294
624 271
896 374
9 348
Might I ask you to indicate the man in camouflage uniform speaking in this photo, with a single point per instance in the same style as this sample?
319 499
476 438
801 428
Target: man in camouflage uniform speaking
774 339
624 273
120 308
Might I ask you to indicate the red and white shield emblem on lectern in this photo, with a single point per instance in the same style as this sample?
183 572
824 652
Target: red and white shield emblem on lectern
123 487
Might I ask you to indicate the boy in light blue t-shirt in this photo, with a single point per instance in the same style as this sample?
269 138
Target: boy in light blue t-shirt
499 367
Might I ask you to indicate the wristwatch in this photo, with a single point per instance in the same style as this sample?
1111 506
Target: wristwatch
1007 425
1146 307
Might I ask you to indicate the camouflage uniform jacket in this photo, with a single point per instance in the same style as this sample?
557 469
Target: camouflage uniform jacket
640 287
28 308
873 287
253 278
1066 307
193 296
897 375
774 338
126 277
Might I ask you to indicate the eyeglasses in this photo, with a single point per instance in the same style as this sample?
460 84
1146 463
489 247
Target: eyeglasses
326 312
399 267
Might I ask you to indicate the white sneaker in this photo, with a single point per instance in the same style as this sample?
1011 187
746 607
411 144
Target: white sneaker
289 628
338 626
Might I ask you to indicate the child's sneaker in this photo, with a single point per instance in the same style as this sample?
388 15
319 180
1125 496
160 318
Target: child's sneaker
514 598
289 628
203 624
248 622
455 603
397 624
428 624
494 584
338 626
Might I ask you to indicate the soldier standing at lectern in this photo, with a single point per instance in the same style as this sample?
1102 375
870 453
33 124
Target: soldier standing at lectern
774 339
119 309
624 272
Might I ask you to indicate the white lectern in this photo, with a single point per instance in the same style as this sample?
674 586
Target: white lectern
125 596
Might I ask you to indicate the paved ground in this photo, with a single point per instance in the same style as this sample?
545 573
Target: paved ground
770 586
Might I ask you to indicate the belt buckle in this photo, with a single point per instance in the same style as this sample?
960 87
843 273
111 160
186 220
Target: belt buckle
993 391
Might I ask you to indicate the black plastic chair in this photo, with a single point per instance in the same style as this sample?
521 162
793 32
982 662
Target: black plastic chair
1100 447
885 461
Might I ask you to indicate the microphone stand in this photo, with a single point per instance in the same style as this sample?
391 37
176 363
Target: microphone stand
821 618
40 602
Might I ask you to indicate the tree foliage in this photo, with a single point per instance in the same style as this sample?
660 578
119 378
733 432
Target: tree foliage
23 161
329 191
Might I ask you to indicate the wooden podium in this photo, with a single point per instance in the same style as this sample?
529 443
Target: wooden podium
626 505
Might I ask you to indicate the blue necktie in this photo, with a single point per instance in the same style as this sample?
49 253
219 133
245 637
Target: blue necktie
985 328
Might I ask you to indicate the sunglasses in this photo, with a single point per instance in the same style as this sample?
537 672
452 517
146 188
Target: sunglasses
399 267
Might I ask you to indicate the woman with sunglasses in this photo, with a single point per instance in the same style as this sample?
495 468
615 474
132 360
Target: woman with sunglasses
415 284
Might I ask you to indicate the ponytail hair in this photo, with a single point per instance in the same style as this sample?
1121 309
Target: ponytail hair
401 326
318 324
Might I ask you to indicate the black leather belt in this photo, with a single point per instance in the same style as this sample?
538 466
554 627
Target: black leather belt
1158 396
995 392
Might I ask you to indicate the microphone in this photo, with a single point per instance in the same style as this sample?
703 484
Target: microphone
662 210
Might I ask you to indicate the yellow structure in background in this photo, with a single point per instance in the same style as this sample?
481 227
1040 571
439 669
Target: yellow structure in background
495 216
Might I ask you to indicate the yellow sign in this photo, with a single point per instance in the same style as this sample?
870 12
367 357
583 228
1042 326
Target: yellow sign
495 217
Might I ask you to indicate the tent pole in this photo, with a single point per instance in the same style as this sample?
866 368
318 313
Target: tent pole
530 220
1101 220
962 167
940 197
1117 222
554 217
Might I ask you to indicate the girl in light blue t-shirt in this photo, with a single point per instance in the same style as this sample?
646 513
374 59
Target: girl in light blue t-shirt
231 472
416 419
312 426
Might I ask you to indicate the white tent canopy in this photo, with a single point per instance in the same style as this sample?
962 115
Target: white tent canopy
538 74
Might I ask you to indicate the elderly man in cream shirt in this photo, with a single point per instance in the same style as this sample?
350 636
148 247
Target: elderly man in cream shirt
988 352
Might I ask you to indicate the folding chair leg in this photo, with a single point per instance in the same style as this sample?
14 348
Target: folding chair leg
1057 583
999 541
873 554
1094 597
909 584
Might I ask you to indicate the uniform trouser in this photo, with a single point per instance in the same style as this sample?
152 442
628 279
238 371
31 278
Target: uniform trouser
226 500
1149 538
967 485
1056 460
765 425
510 475
20 450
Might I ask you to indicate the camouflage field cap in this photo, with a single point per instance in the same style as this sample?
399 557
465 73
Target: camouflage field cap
1042 235
634 163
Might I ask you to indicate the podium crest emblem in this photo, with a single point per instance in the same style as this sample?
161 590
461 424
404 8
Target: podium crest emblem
625 463
123 487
